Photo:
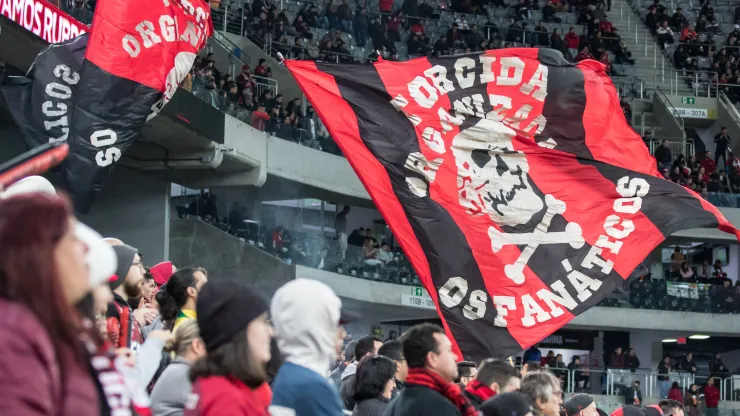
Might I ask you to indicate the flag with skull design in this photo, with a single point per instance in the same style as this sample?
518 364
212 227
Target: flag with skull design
511 180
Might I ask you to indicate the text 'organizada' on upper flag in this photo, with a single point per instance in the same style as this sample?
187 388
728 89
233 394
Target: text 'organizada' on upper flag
510 178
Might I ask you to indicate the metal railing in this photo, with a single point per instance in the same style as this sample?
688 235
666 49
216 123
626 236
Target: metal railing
672 110
700 83
237 58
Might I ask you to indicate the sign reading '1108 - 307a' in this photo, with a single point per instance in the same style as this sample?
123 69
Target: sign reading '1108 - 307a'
42 19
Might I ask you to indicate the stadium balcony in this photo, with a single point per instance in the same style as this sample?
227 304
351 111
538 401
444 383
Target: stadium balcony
318 255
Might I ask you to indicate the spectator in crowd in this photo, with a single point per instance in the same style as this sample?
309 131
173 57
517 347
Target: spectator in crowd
578 375
306 315
692 401
580 404
671 407
677 257
663 155
532 354
366 347
717 367
631 361
162 272
494 377
617 359
633 394
146 297
549 360
664 369
530 366
44 362
260 118
374 386
429 386
393 349
664 34
340 227
675 392
507 404
348 356
686 272
709 165
263 69
171 391
688 364
722 142
544 392
571 40
124 325
231 377
711 397
179 296
466 372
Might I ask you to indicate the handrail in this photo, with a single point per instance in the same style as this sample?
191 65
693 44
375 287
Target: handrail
263 83
677 117
734 113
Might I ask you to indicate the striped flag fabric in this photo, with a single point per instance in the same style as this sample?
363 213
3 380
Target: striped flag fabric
511 180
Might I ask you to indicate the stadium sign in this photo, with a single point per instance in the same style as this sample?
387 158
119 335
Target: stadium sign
42 19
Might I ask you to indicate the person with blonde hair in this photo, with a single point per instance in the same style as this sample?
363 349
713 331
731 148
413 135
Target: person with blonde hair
173 387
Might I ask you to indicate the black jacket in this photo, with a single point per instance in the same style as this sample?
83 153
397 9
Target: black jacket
416 400
371 407
346 390
629 396
473 399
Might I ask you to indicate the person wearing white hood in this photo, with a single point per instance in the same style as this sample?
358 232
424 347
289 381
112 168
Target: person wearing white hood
305 314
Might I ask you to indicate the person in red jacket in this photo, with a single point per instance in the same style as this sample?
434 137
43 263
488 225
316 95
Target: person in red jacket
42 276
708 163
231 378
711 397
675 392
584 54
572 41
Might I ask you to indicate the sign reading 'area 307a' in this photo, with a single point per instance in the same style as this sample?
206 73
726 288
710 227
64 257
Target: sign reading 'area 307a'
42 19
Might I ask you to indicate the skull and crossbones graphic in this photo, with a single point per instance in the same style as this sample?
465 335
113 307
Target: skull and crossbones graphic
493 180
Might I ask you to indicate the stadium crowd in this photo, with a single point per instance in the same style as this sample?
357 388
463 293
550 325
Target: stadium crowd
78 340
167 341
703 175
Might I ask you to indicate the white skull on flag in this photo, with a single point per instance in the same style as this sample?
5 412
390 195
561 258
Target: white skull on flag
493 177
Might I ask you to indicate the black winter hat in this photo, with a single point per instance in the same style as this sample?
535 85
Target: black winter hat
224 308
125 255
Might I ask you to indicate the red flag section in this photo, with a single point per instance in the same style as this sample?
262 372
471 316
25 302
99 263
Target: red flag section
137 55
511 180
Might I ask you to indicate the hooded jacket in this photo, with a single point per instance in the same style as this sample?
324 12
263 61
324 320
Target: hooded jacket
305 314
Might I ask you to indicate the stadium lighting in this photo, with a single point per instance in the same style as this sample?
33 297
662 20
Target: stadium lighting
696 336
670 340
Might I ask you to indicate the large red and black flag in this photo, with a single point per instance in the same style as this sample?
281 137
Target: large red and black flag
511 180
138 53
135 57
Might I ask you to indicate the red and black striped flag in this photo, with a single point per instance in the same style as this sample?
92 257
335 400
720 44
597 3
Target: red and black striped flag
137 54
511 180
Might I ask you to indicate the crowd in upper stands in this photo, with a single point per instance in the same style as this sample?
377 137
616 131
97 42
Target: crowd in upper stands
409 30
703 175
